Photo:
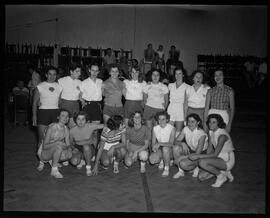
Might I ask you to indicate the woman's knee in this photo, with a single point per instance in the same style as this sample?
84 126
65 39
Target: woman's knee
183 164
143 155
202 163
154 158
177 149
166 151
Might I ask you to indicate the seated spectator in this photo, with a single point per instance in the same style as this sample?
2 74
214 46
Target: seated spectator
20 89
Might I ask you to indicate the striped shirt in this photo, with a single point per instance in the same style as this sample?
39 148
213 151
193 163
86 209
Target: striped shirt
220 97
139 136
112 136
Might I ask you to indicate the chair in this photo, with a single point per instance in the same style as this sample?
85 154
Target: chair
21 107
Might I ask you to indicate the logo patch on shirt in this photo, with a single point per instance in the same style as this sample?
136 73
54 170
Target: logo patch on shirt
78 88
51 89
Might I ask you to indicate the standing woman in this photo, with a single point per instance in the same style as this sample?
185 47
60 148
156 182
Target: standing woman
155 96
133 92
45 102
177 99
220 100
196 96
71 90
112 91
219 159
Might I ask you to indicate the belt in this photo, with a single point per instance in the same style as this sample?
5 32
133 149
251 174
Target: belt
89 102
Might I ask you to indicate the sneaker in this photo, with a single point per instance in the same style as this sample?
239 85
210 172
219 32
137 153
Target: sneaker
229 176
65 163
81 164
93 158
161 165
178 174
40 166
165 173
88 172
221 178
56 174
195 172
142 170
115 168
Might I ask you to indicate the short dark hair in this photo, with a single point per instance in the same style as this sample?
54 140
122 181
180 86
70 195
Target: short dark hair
63 110
197 118
72 66
113 66
162 113
195 72
89 67
131 118
114 122
220 121
140 76
80 113
48 68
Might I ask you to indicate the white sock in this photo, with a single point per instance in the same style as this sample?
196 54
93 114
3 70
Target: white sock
180 170
115 163
88 167
142 163
54 168
166 168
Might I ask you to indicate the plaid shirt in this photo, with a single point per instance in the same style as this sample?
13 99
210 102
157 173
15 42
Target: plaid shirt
220 97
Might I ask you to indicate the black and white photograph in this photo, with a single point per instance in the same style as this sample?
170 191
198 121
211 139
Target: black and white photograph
135 108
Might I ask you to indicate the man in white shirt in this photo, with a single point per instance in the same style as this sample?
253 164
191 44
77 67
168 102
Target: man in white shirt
70 93
91 94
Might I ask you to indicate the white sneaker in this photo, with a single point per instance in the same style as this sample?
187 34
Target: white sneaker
81 164
178 174
56 174
195 172
88 172
40 166
165 173
221 178
142 170
65 163
229 176
161 165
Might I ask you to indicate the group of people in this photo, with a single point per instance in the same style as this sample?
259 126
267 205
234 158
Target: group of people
113 121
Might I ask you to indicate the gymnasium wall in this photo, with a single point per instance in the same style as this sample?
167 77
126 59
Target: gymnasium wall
236 30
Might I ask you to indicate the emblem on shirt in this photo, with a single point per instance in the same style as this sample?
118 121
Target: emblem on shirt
78 88
51 89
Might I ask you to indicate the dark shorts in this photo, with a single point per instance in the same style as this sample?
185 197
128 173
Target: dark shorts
93 110
150 112
199 111
71 106
47 116
132 106
110 111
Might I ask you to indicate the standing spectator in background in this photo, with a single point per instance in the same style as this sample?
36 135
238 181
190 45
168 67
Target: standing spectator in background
91 94
108 60
149 53
196 95
220 100
123 67
262 71
32 84
173 61
70 92
250 72
155 96
160 61
177 99
113 91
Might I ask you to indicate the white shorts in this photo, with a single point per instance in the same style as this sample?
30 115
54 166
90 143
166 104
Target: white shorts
229 159
107 145
223 113
176 111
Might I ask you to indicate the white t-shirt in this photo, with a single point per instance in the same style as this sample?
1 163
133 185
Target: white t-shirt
155 94
228 145
177 95
196 99
49 95
71 88
163 134
134 89
91 91
193 137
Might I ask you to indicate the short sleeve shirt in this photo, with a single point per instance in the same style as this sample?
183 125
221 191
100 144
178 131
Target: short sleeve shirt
196 99
220 97
177 95
84 133
193 137
49 95
134 89
71 88
163 134
156 93
91 91
228 145
139 136
113 93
